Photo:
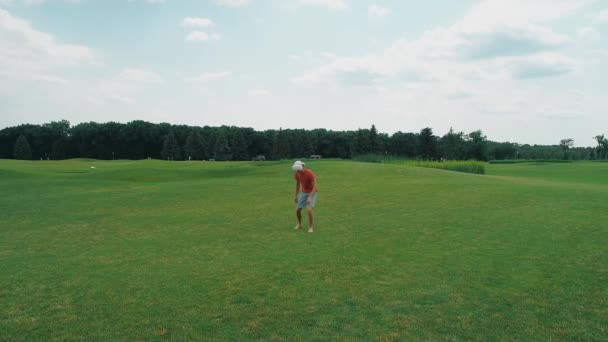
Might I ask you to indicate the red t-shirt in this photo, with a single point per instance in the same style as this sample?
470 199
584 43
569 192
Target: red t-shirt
306 179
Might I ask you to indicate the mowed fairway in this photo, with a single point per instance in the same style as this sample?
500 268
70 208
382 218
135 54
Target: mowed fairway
153 250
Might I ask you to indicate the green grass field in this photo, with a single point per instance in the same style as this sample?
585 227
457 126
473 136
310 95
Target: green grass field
153 250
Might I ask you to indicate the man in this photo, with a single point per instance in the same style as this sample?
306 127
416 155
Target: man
306 180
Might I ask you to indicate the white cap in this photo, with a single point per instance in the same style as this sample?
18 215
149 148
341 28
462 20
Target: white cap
297 167
299 162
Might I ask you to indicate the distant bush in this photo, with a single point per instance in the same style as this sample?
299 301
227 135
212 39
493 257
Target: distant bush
467 166
519 161
377 158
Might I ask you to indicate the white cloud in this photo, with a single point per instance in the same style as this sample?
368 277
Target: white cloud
589 33
28 53
259 92
121 99
196 22
493 13
491 70
209 76
141 76
602 15
196 35
125 86
26 2
145 1
510 40
50 79
329 55
473 48
233 3
377 11
332 5
540 65
201 36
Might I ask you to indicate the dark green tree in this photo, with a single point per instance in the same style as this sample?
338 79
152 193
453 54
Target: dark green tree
261 144
341 146
361 143
404 144
306 145
501 151
374 141
601 151
477 146
209 135
221 149
565 145
280 145
60 149
240 150
141 139
22 149
171 149
325 143
194 146
451 145
427 143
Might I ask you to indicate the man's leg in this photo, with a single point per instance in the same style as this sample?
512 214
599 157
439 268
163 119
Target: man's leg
299 216
310 214
311 210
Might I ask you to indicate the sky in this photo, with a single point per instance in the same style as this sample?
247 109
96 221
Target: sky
520 70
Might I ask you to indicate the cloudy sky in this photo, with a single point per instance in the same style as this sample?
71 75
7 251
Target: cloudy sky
520 70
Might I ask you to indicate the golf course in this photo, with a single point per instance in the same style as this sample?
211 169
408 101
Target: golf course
156 250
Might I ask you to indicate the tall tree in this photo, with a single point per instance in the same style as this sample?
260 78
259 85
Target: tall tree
209 135
427 143
342 146
280 146
60 149
261 144
306 148
222 150
58 129
478 147
140 139
602 147
452 145
325 144
505 150
171 149
23 150
361 143
240 150
404 144
374 142
194 146
565 145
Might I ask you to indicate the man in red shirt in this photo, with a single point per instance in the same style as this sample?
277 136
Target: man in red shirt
306 180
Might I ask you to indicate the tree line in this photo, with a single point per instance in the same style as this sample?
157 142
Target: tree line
141 140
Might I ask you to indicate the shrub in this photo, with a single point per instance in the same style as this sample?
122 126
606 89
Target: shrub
519 161
467 166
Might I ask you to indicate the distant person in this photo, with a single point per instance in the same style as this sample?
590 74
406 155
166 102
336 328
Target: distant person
306 181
